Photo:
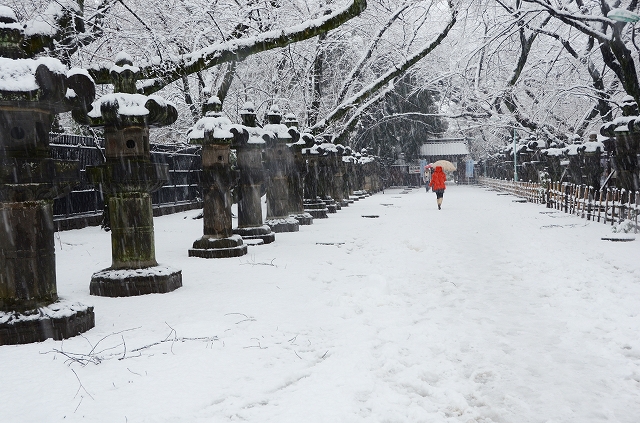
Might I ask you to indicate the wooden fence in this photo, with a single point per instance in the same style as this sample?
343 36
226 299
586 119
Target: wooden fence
608 205
180 192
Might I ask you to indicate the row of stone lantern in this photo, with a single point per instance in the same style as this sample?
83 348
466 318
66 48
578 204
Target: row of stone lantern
295 164
581 162
578 161
624 143
298 169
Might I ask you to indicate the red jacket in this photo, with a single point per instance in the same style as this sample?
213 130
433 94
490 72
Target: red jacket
437 179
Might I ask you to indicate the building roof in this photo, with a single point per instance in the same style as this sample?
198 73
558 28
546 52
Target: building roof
445 147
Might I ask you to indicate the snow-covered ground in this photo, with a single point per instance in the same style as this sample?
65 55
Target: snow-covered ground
487 311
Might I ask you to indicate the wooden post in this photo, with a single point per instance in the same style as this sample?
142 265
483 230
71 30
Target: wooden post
637 204
585 200
589 203
602 190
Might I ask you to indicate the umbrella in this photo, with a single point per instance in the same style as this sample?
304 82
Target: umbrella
446 165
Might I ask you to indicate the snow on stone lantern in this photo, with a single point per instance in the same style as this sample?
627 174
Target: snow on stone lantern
297 173
279 163
217 180
626 132
127 178
313 204
248 143
32 91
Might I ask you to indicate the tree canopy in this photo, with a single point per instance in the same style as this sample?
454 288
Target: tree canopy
362 70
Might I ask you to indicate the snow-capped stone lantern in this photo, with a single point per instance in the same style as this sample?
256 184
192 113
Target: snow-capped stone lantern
626 132
347 178
339 170
32 91
528 157
248 144
326 161
553 159
313 204
592 164
218 178
297 172
127 179
369 172
279 163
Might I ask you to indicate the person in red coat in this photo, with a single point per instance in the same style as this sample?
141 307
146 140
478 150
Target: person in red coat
437 184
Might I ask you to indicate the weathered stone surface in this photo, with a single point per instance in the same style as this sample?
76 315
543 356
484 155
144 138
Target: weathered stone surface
27 262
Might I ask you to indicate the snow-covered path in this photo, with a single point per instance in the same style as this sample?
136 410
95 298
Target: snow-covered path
486 311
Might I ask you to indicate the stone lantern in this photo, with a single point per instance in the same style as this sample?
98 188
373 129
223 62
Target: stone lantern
626 130
347 163
313 204
218 178
368 170
32 91
326 161
297 173
127 178
592 165
249 144
279 163
338 174
553 159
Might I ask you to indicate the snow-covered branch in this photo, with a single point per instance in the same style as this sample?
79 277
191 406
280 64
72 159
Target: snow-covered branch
357 69
159 76
364 94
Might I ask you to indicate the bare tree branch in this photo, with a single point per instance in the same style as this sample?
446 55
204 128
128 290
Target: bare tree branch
373 88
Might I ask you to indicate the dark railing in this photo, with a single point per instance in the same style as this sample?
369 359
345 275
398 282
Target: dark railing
182 190
608 205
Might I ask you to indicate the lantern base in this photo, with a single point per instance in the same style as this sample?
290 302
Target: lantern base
316 208
303 218
256 232
286 224
207 247
133 282
59 320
